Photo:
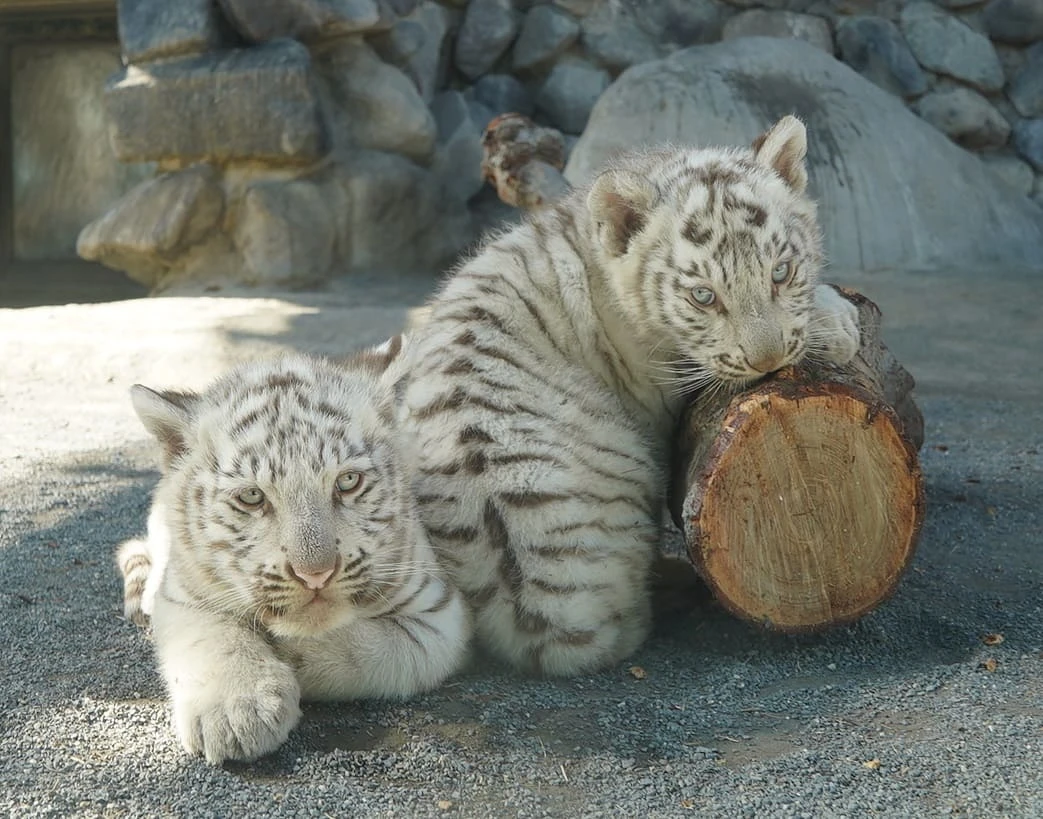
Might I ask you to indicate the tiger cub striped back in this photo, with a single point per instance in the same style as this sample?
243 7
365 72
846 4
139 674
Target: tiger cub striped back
285 557
550 374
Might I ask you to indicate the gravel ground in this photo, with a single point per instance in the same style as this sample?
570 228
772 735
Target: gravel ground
906 713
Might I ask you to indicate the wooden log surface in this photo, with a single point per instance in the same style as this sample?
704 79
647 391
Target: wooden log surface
523 161
800 499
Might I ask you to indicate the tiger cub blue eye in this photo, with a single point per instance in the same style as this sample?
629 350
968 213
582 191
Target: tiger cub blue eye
781 274
704 296
251 497
348 482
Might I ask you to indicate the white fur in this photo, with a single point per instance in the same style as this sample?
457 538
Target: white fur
549 376
239 638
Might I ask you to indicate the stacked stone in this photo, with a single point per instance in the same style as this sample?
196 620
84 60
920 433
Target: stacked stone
295 138
971 68
286 148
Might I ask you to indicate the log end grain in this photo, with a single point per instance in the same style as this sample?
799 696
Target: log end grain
810 506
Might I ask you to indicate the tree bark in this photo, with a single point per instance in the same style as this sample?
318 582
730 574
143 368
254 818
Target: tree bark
801 499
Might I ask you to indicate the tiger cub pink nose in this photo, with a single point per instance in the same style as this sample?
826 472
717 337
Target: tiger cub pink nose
313 580
766 362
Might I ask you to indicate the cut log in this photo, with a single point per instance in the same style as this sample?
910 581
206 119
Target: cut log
523 161
801 499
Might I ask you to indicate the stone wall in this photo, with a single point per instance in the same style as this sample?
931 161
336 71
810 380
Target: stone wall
300 138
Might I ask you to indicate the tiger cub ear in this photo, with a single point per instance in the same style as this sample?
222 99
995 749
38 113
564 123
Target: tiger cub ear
783 148
619 203
167 416
380 358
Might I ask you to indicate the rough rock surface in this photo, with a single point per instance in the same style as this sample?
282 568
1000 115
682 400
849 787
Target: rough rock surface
1026 91
684 22
1028 139
374 105
155 222
151 29
488 28
459 159
546 33
268 108
939 205
501 94
949 46
395 216
1014 21
429 65
966 117
612 34
569 94
1013 171
770 23
262 20
285 233
876 49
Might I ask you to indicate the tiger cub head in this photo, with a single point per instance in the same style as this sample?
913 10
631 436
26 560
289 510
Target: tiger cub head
285 501
713 254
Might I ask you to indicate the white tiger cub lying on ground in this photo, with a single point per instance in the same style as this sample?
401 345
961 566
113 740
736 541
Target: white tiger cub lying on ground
546 383
285 557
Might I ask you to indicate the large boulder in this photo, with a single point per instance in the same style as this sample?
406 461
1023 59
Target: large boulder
893 191
156 223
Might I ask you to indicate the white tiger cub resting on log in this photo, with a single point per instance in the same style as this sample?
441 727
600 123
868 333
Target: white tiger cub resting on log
545 386
285 557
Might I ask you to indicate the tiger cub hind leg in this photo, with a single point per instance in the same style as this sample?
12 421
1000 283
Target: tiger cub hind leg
552 547
561 607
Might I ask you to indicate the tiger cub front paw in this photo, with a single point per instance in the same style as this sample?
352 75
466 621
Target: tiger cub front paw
239 719
834 333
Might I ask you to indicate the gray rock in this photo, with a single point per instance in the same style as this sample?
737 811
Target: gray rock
546 33
254 103
1028 140
285 233
403 8
449 108
766 23
502 94
429 65
580 8
1016 174
965 116
375 105
262 20
876 49
151 29
145 232
395 215
1014 21
683 22
1026 92
488 28
958 4
946 45
842 6
940 206
612 34
569 93
458 160
400 43
1012 58
481 114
